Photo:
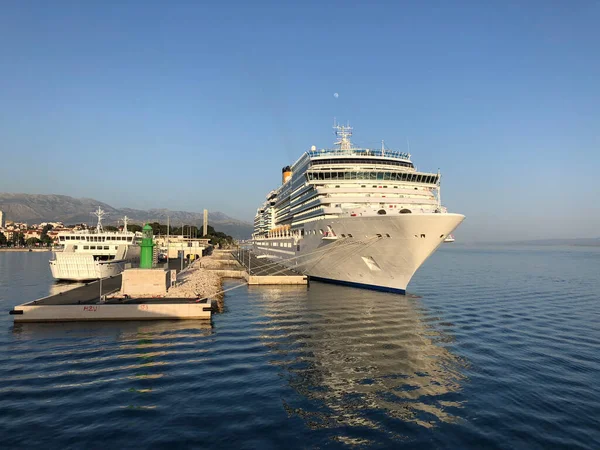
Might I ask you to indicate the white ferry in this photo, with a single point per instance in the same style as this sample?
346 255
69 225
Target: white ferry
355 216
89 255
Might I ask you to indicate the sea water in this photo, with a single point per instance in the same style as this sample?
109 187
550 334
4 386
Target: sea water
494 347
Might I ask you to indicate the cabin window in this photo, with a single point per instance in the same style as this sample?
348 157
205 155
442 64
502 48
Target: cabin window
381 212
74 247
386 176
380 175
86 247
129 239
373 176
106 247
92 247
62 238
405 211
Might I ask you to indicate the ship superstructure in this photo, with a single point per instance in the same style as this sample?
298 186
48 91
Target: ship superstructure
92 254
354 215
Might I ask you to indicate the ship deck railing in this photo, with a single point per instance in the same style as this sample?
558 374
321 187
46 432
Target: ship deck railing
361 152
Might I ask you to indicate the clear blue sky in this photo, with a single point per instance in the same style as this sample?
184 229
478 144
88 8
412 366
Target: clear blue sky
213 98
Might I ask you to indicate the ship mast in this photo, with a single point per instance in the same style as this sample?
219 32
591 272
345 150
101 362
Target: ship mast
99 213
125 219
343 134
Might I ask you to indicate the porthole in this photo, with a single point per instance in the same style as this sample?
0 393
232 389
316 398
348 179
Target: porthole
382 212
405 211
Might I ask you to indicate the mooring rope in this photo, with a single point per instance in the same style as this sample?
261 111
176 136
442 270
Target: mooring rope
342 245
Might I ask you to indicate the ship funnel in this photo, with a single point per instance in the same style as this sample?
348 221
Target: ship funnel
286 174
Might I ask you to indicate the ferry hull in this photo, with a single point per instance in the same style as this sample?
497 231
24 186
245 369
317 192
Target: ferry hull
376 252
74 267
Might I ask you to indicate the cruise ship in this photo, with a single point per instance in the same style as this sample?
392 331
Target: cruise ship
355 216
89 255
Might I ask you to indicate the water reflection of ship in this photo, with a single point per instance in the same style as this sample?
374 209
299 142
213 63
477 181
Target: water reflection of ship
353 356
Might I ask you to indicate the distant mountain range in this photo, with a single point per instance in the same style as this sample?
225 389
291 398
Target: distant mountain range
35 208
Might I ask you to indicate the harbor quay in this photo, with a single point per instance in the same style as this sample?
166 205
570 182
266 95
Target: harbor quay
107 299
163 292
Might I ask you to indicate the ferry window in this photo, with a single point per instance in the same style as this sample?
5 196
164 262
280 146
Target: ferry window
106 247
86 247
347 176
380 175
353 176
116 247
62 238
373 176
386 176
92 247
74 247
363 185
129 239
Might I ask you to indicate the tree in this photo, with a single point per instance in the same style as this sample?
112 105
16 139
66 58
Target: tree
3 240
32 242
110 228
134 227
18 238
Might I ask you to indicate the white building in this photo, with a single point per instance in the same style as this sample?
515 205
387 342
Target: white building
1 219
174 244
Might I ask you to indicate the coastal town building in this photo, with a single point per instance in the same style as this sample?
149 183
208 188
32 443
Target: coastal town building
173 245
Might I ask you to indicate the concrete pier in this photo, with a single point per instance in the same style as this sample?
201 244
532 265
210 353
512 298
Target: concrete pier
85 304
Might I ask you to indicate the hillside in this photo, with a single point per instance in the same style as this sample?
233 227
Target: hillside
35 208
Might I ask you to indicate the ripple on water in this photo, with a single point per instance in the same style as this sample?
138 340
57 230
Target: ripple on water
485 353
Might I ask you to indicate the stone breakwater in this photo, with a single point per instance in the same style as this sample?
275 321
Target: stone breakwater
196 282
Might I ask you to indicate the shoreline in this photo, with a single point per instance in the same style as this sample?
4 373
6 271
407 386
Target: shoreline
26 249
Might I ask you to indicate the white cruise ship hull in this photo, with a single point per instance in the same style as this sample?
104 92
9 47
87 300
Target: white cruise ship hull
376 252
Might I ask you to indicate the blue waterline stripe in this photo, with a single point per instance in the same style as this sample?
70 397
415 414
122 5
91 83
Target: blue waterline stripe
359 285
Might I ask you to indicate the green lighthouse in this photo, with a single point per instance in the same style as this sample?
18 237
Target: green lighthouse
147 247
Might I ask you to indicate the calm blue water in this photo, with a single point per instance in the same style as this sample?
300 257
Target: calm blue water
500 349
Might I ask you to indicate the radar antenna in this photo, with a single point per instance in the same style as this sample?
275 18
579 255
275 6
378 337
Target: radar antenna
343 134
99 213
